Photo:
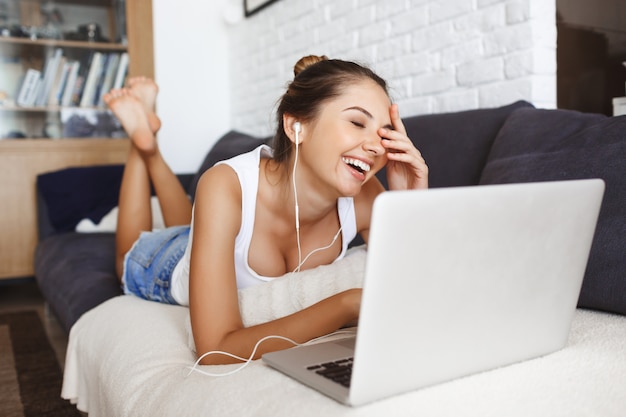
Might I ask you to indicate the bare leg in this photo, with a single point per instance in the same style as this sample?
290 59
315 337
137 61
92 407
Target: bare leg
170 193
145 165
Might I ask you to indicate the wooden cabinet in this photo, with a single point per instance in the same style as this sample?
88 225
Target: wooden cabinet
33 137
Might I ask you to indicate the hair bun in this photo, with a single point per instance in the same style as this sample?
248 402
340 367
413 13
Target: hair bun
306 62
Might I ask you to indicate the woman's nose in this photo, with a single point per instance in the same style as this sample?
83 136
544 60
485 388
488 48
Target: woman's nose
374 145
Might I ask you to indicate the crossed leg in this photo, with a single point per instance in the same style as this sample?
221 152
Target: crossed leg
134 108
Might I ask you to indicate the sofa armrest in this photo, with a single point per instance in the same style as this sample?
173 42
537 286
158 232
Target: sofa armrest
44 226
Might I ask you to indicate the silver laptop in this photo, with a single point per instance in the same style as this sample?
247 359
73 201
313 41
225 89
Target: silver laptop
457 281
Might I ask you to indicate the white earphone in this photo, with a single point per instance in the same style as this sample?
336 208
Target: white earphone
297 127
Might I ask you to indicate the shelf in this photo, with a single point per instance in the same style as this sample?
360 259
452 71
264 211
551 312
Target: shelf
52 43
27 143
70 145
98 3
22 159
51 109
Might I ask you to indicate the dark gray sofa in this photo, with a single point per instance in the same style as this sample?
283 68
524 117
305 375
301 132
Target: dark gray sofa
514 143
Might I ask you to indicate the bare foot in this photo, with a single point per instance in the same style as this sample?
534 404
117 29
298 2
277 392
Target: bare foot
146 91
130 112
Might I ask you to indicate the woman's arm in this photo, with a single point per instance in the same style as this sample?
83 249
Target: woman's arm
406 170
213 296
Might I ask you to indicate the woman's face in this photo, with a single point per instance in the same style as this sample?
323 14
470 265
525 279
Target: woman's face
342 146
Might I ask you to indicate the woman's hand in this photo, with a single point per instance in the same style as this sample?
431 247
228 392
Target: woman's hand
406 169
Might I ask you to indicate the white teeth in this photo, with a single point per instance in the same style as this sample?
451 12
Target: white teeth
357 163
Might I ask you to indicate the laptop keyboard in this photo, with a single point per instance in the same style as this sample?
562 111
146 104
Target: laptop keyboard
339 371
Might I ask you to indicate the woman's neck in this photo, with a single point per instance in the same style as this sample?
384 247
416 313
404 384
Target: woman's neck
314 203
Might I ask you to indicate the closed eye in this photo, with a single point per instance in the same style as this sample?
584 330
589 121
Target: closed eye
357 124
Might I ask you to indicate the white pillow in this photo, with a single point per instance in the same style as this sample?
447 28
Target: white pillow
297 290
109 222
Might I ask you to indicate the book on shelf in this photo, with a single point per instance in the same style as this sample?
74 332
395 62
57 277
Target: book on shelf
53 94
49 75
103 72
109 78
81 78
122 70
56 96
71 82
29 88
70 85
93 76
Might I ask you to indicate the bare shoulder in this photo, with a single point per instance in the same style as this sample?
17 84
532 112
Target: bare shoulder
218 194
218 175
218 180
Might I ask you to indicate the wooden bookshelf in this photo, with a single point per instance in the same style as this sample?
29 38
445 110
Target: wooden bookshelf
21 160
11 42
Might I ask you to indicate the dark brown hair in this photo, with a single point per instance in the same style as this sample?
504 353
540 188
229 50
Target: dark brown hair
316 80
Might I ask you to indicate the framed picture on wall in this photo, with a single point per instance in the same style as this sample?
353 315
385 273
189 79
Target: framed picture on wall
250 7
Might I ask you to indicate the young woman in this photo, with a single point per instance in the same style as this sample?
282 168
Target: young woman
291 207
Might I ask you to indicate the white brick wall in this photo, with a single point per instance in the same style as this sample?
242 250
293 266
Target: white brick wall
437 55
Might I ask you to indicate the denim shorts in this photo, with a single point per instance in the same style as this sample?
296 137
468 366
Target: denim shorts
149 264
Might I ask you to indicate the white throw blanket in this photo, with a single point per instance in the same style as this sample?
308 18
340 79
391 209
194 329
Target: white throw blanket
129 357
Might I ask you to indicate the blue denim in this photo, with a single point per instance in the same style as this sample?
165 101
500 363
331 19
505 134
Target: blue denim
148 266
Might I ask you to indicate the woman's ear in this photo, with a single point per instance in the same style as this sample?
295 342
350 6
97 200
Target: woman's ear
292 128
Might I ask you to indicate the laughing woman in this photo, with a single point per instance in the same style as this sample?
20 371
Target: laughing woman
290 207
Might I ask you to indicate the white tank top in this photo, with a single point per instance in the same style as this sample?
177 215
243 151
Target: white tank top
246 166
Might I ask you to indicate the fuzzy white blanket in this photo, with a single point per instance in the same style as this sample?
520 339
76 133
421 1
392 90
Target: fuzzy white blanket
129 357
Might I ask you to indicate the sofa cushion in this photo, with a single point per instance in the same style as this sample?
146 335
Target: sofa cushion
231 144
73 194
76 272
544 145
455 145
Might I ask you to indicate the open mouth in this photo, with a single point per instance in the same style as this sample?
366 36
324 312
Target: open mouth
357 164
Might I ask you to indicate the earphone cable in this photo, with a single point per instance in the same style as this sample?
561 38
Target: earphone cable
297 209
247 361
295 196
297 269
